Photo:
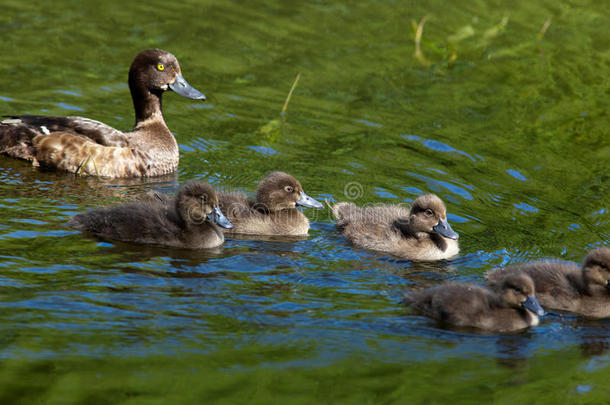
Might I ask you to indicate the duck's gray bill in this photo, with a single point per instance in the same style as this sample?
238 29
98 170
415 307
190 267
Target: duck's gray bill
182 87
532 305
444 229
307 201
219 218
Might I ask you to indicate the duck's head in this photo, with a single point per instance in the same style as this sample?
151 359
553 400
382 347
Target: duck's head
518 291
428 214
157 71
596 268
279 191
197 202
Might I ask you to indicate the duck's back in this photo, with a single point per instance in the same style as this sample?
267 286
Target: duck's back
559 286
369 226
467 305
555 282
454 303
248 218
18 132
145 222
378 228
235 206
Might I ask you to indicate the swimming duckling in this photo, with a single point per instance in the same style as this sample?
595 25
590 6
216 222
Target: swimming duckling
514 307
274 212
84 146
188 221
566 286
421 233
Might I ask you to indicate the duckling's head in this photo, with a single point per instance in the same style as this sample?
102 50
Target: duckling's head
197 202
518 292
280 191
157 71
596 268
428 214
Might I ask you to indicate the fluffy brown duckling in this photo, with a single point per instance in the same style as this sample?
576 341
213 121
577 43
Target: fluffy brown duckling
187 221
513 308
421 233
566 286
274 211
87 147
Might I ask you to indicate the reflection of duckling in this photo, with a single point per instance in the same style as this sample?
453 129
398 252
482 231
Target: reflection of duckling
188 221
84 146
421 233
514 307
274 211
566 286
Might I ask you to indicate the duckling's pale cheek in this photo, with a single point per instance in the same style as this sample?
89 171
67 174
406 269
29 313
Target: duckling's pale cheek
196 214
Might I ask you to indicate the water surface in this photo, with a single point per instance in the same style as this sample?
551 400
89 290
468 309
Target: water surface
505 120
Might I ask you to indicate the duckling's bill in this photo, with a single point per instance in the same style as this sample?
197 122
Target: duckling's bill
444 229
182 87
307 201
219 218
531 304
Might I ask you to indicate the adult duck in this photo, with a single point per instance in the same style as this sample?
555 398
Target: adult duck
88 147
420 233
582 290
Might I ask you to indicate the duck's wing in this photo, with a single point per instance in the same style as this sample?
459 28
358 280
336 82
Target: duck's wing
495 277
550 277
94 130
235 206
156 197
139 222
77 154
344 212
369 227
383 214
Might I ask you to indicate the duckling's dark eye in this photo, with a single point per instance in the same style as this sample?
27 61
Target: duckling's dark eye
289 189
429 212
519 290
160 67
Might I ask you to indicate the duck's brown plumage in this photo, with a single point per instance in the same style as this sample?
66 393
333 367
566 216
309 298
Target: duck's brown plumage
274 210
187 221
409 233
513 308
88 147
582 290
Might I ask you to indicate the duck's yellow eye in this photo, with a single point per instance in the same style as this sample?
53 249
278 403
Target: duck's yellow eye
160 67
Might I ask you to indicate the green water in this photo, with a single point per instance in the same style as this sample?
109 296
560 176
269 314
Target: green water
506 121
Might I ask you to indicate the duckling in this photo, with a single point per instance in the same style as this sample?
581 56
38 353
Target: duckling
421 233
274 211
187 221
88 147
513 308
566 286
